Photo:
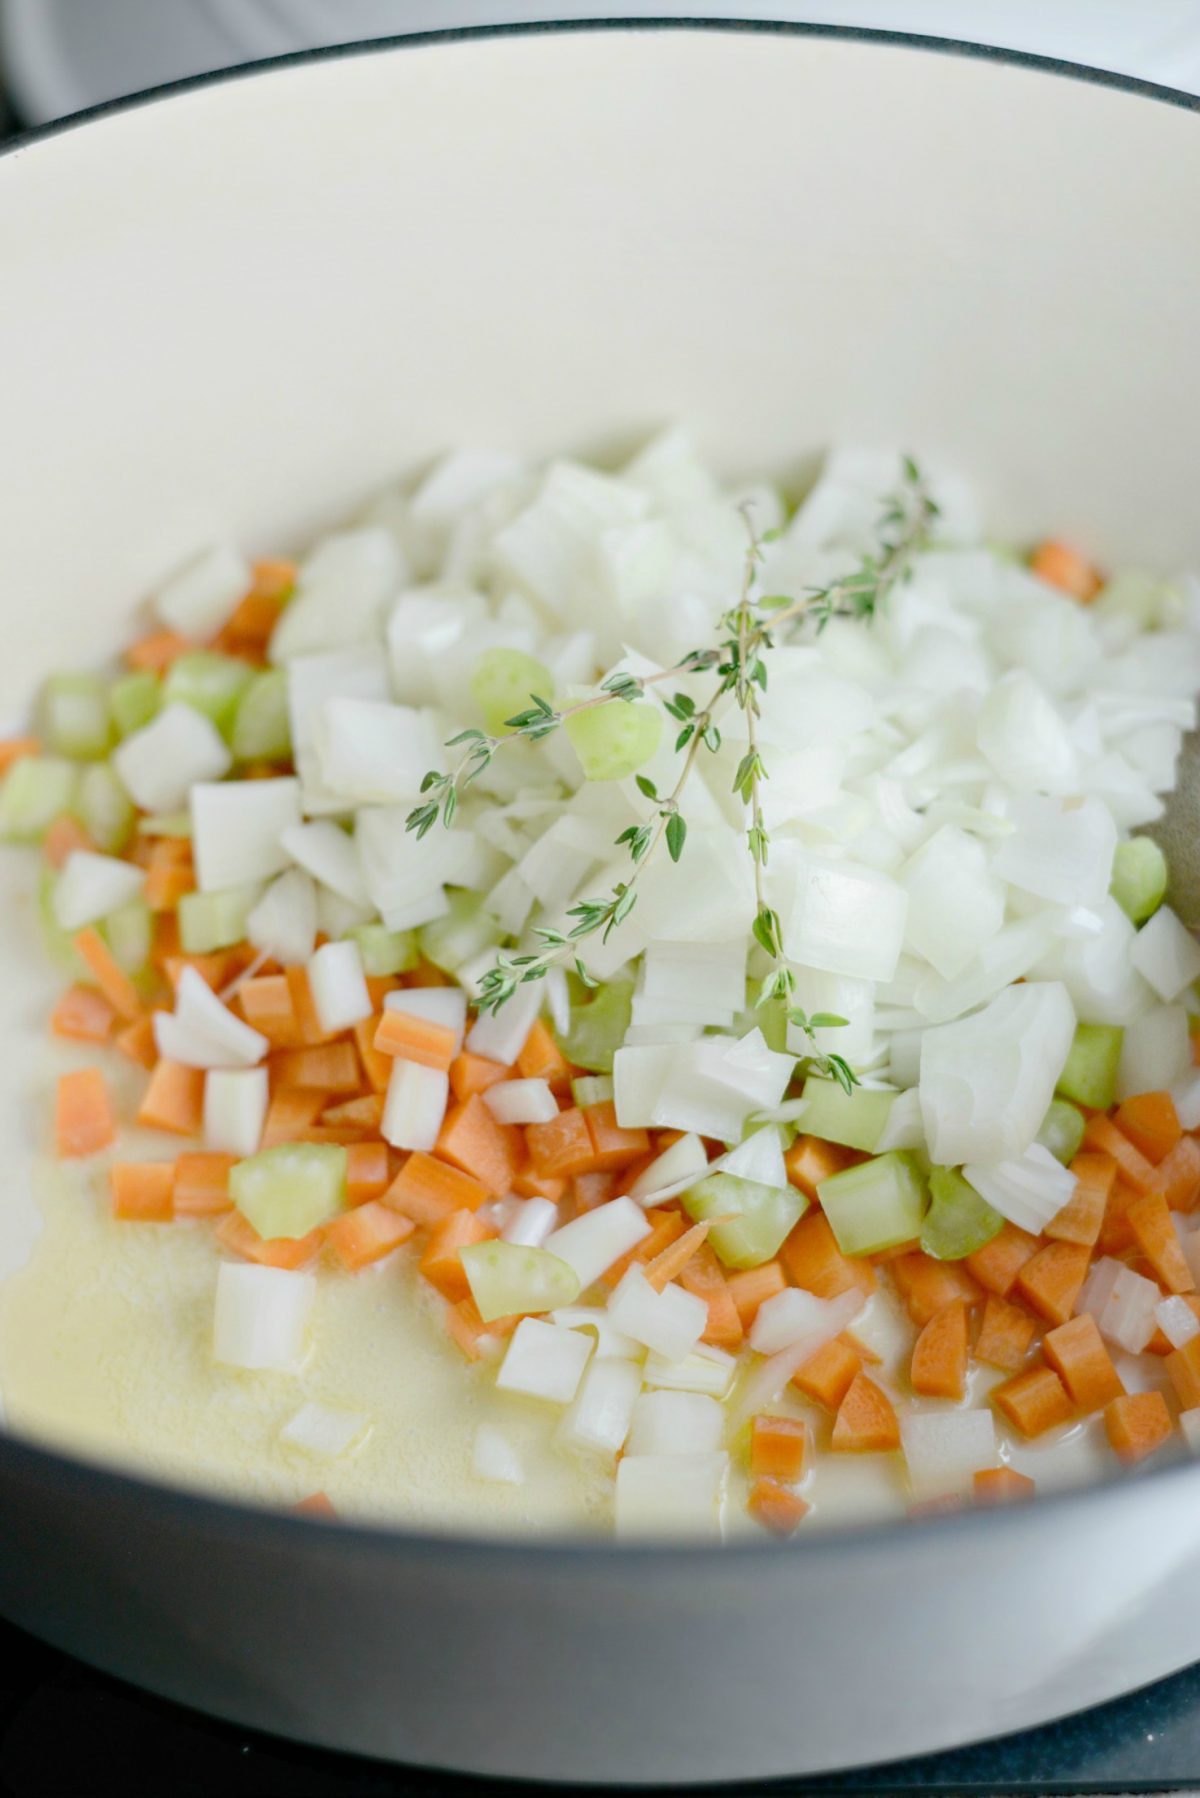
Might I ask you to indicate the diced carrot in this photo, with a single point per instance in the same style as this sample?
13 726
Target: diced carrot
63 838
828 1375
1183 1366
490 1152
811 1259
365 1113
141 1191
157 651
666 1227
866 1420
317 1505
166 938
136 1042
428 1190
528 1185
563 1146
939 1357
752 1287
366 1234
328 1067
1102 1134
997 1264
309 1025
1050 1281
167 884
441 1264
612 1147
376 1067
1151 1123
474 1074
778 1446
292 1110
202 1185
274 578
810 1160
15 749
165 852
927 1286
1002 1486
704 1277
83 1015
1154 1232
174 1099
667 1265
288 1252
1063 567
590 1190
1082 1216
108 974
1034 1401
379 986
777 1509
1179 1174
367 1175
1077 1353
542 1059
1004 1334
468 1330
265 1001
406 1037
1116 1236
1136 1424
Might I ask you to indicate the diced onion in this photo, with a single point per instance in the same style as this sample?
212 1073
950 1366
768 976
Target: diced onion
198 598
1028 1190
600 1414
203 1033
338 987
500 1035
521 1102
1177 1321
1156 1051
445 1005
987 1080
944 1450
670 1495
1166 954
671 1171
706 1369
785 1318
91 886
415 1105
495 1458
284 922
160 764
544 1361
324 1432
670 1322
261 1317
323 850
669 1422
235 1109
592 1242
237 827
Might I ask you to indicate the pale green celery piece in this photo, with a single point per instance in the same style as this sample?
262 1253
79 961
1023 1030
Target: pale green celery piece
105 809
291 1189
210 683
1139 878
758 1217
167 824
771 1019
856 1119
261 730
60 950
129 933
36 790
73 715
464 932
1062 1130
958 1221
615 740
1090 1075
876 1205
209 921
591 1089
597 1027
134 701
385 951
503 684
507 1279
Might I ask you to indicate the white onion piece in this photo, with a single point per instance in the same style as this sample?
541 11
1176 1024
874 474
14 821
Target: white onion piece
685 1160
324 1432
838 996
767 1382
845 918
611 1343
1024 739
955 905
531 1222
1063 853
639 1073
284 922
1028 1190
235 1109
787 1317
706 1369
426 623
415 1105
670 1495
759 1157
338 987
370 753
261 1316
1156 1052
445 1005
311 681
1177 1321
206 1028
677 972
670 1322
987 1080
1186 1093
592 1242
1166 954
905 1127
324 850
598 1418
90 886
494 1457
341 590
198 598
668 1422
543 1361
160 764
1128 1317
944 1450
712 1086
501 1035
1098 971
237 830
521 1102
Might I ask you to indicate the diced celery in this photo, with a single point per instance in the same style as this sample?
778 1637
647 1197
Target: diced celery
615 740
73 715
129 933
1139 878
291 1189
592 1089
771 1019
1062 1130
597 1027
210 683
105 809
758 1217
503 683
134 701
36 790
855 1119
1090 1075
209 921
464 932
167 824
385 951
60 950
958 1221
507 1278
261 730
876 1205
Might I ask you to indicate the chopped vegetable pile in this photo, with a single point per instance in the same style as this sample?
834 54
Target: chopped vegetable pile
679 931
